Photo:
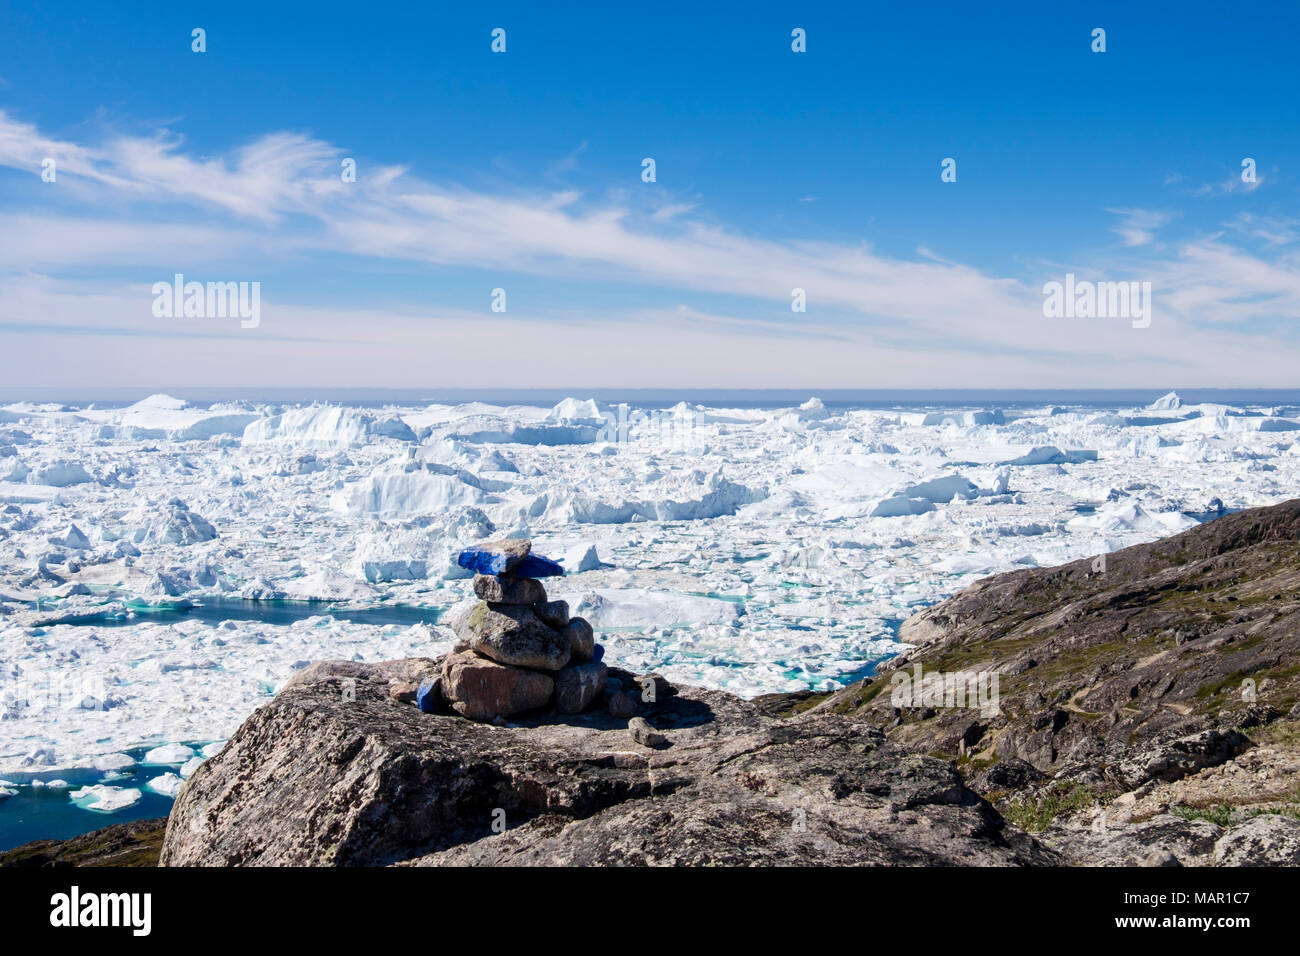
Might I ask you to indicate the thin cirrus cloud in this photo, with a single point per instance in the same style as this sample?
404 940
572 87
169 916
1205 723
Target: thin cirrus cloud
1138 227
394 216
873 319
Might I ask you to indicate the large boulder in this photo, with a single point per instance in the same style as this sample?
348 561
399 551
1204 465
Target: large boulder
1178 759
513 634
622 696
1269 839
1190 842
481 689
316 777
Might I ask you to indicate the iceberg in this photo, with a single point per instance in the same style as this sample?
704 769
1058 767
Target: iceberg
942 490
169 754
967 419
105 799
113 762
72 537
400 494
581 557
60 474
896 506
322 426
1130 517
692 498
174 525
167 785
571 411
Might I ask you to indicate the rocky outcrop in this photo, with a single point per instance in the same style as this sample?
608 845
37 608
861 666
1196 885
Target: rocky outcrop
1264 840
1131 687
1164 840
336 771
137 843
1195 633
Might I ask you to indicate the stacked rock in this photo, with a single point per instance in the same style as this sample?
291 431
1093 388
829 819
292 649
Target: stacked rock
517 650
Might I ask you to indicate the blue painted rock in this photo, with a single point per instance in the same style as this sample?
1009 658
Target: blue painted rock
536 566
495 557
508 556
429 695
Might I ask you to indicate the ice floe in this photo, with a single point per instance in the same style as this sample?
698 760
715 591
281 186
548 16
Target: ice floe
168 754
167 784
326 427
105 799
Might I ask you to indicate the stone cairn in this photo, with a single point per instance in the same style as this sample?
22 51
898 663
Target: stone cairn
517 651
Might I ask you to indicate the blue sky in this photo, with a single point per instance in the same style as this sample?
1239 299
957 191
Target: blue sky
774 170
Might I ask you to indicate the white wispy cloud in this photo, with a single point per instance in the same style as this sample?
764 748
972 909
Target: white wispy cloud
1137 227
873 319
1275 230
392 215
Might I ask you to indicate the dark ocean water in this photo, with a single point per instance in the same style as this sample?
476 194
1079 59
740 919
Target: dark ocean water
39 813
214 610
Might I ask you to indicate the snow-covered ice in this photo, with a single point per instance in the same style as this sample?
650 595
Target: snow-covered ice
104 799
742 548
168 754
168 784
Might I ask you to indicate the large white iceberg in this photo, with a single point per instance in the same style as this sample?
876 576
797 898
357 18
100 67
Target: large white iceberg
324 426
408 491
681 498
